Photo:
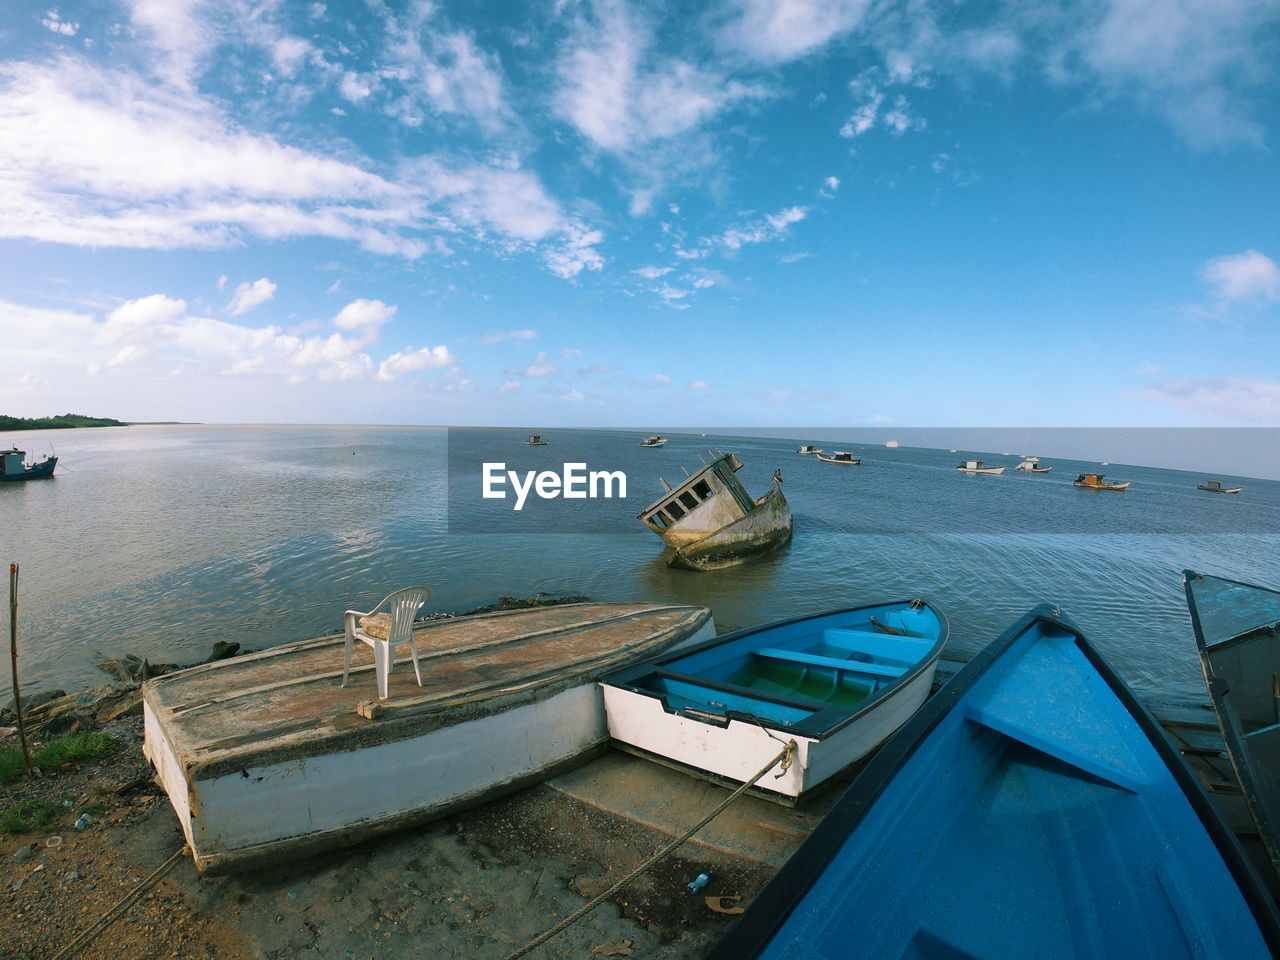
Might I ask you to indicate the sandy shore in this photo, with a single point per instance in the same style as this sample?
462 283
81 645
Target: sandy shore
477 885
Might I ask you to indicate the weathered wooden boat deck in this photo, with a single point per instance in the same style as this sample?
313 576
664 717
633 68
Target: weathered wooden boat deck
288 700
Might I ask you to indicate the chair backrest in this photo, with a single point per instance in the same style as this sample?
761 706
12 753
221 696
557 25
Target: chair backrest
403 605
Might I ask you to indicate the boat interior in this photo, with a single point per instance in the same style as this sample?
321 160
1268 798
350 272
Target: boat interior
789 673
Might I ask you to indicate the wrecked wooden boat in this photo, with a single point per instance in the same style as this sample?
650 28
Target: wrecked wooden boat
1033 808
840 456
710 521
266 757
838 683
14 465
1215 486
981 466
1096 481
1237 628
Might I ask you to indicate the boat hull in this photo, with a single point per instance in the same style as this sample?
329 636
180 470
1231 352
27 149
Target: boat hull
988 471
1200 486
734 745
1032 808
765 529
1101 486
266 757
849 463
1237 630
42 469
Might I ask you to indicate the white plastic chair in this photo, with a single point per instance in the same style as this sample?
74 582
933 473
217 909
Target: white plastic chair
402 606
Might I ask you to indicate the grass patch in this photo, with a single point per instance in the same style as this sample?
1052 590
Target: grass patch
12 766
29 815
72 747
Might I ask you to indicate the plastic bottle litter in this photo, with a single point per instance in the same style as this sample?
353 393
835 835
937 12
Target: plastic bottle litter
83 822
698 882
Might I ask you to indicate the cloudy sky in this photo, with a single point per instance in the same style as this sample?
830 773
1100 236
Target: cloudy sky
614 213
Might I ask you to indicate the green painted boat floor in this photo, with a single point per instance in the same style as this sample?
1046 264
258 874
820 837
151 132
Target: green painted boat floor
787 680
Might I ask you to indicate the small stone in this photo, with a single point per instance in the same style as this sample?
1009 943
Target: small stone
24 853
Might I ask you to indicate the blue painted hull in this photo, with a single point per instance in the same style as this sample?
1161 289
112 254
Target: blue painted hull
1031 809
42 469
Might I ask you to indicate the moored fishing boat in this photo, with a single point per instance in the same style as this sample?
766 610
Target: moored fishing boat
537 440
1237 630
267 756
1096 481
981 466
1032 465
1031 808
840 456
653 441
14 465
838 683
710 521
808 449
1215 486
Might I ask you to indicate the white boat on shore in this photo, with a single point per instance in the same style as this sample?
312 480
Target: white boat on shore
266 756
981 466
838 683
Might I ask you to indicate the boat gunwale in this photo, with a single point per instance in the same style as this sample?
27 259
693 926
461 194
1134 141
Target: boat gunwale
784 892
1219 691
626 678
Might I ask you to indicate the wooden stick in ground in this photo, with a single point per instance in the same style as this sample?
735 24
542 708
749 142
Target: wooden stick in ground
13 654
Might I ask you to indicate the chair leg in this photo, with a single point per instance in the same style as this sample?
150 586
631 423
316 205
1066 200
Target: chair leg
346 661
382 667
413 645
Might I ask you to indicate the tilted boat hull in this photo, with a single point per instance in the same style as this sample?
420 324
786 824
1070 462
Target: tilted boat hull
1032 809
1237 629
763 530
265 757
687 709
42 469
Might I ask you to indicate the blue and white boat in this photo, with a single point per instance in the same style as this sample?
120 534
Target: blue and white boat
1031 809
1237 628
14 465
838 683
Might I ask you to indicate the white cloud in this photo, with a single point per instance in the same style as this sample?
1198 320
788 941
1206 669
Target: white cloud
568 353
829 187
779 30
249 295
362 314
1249 277
541 367
653 273
1228 398
897 119
772 226
510 385
355 87
699 385
428 358
662 380
499 335
55 23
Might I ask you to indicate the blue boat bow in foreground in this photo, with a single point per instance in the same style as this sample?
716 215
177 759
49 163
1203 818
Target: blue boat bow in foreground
1031 809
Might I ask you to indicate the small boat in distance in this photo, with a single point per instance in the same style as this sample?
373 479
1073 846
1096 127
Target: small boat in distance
537 440
1095 481
1215 486
653 441
838 683
266 757
1237 628
892 444
980 466
14 465
1032 465
1032 808
710 521
840 456
808 449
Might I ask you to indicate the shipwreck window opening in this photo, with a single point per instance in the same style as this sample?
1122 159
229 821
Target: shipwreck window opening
675 510
659 518
688 499
702 490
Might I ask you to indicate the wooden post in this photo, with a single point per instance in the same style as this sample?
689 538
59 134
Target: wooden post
13 653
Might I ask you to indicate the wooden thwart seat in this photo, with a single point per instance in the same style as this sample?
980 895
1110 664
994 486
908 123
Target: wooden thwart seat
836 663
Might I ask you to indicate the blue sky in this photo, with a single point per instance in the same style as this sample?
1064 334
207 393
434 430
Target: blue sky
808 212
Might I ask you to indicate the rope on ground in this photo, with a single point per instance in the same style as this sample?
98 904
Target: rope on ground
127 901
784 757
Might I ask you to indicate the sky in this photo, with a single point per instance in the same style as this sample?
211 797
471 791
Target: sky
542 214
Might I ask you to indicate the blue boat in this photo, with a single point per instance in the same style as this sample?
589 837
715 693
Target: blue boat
15 466
1032 808
1237 629
837 683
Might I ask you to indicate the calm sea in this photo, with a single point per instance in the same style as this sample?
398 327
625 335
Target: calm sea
160 540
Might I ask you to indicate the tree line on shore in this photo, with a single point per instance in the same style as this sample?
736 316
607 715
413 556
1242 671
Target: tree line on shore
65 421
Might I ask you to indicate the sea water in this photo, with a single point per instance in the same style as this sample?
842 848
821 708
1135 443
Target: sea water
160 540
